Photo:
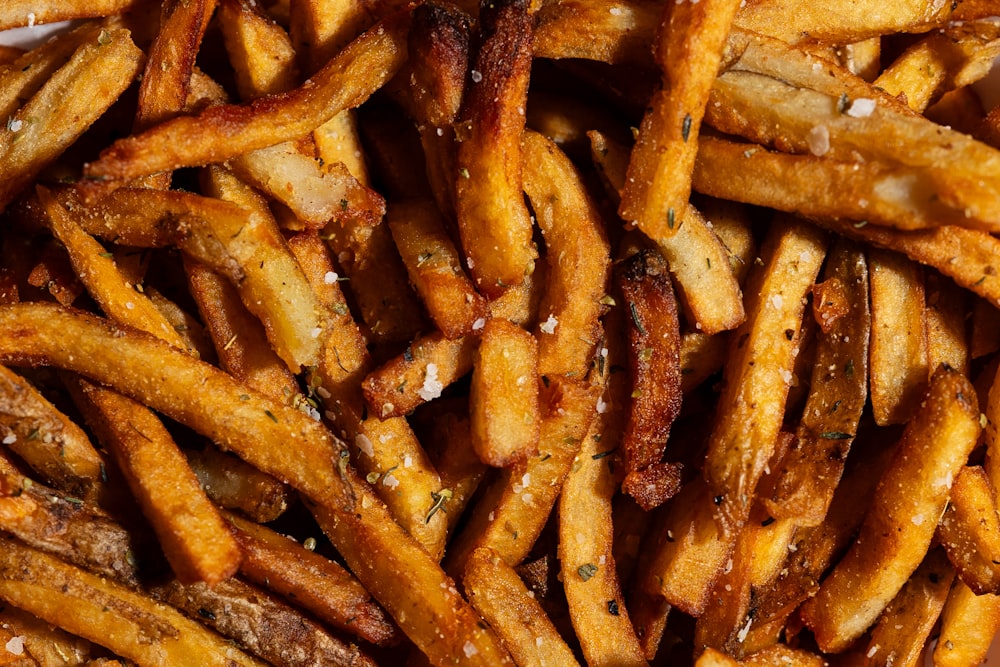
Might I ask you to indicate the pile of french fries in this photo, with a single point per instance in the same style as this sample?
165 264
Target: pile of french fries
529 332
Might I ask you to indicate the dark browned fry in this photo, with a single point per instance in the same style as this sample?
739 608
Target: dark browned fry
654 344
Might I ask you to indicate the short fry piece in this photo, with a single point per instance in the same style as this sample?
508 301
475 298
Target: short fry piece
969 531
505 411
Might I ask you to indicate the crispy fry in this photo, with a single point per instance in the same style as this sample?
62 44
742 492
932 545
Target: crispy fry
813 466
194 537
688 49
654 368
72 99
969 531
577 253
233 484
314 582
910 495
47 440
505 410
501 597
259 48
492 218
969 622
224 131
759 370
899 370
130 624
18 13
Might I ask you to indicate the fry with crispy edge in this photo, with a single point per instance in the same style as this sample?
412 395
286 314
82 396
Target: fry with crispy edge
408 583
812 469
688 48
493 221
900 522
225 131
46 439
106 613
578 255
20 13
759 371
69 102
497 592
969 531
313 582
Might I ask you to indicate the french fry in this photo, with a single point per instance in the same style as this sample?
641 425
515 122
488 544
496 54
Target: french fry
47 440
578 256
947 335
18 13
969 531
261 46
63 525
840 22
513 511
930 455
190 530
813 466
590 30
72 99
233 484
501 597
899 370
314 582
276 632
909 618
493 221
688 49
957 57
435 267
741 445
505 411
41 641
969 623
654 368
224 131
130 624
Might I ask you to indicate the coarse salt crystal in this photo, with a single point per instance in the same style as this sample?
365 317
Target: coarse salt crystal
432 386
469 649
818 140
364 444
15 645
861 108
549 325
10 439
330 277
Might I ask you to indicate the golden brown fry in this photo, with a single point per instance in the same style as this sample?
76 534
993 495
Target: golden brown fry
907 622
589 574
505 409
493 221
871 192
969 623
947 328
591 30
969 531
513 511
759 371
900 524
20 13
130 624
260 50
840 22
233 484
942 61
313 582
688 49
42 642
239 338
496 591
194 537
397 388
224 131
578 255
813 466
72 99
435 267
899 370
261 624
47 440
